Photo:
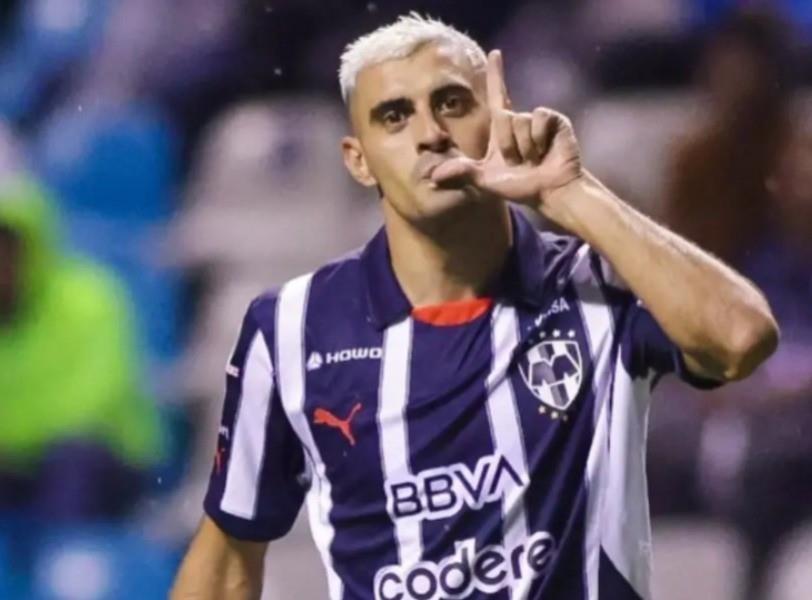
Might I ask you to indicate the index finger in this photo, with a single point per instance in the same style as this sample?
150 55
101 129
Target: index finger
495 78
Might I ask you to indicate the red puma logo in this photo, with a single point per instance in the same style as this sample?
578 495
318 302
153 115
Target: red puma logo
322 416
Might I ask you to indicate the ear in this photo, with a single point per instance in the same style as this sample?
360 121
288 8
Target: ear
356 162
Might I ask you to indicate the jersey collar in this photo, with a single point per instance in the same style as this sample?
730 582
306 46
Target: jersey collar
521 281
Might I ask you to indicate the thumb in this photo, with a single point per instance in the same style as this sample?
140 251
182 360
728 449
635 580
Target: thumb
463 169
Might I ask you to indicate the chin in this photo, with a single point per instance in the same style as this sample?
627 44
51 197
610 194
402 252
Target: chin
432 208
440 201
439 209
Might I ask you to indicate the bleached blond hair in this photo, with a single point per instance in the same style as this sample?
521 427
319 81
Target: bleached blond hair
401 39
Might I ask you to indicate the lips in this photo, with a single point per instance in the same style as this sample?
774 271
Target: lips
430 169
426 168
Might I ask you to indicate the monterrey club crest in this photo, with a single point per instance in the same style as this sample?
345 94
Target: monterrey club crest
552 370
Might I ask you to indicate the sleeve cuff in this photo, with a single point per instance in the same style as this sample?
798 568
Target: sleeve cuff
685 374
245 529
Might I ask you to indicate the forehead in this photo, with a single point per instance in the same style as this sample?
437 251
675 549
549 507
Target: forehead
419 73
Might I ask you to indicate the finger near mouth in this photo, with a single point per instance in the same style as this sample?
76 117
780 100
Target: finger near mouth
451 183
429 173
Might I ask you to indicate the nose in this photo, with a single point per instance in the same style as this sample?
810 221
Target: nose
430 134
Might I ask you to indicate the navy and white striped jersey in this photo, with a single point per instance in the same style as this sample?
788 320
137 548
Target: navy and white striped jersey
499 456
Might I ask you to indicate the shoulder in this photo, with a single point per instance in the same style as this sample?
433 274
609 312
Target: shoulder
571 261
559 249
568 259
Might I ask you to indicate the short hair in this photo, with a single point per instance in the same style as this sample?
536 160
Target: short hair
399 40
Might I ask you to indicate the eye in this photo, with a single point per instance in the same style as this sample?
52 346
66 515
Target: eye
453 105
393 117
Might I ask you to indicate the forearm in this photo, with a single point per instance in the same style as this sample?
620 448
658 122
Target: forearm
711 312
216 568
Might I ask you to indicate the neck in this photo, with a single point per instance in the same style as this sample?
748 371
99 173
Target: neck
459 257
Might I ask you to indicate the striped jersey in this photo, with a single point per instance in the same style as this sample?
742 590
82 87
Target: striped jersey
495 451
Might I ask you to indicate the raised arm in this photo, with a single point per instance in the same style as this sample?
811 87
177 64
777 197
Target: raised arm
719 320
219 567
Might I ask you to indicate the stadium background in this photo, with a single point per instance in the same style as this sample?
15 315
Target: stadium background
191 148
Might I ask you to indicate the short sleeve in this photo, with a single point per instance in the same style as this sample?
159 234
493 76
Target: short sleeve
644 346
257 482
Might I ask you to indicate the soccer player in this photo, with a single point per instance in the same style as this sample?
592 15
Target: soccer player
464 401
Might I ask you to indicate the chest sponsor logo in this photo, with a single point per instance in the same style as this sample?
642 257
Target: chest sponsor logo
553 369
317 360
488 570
443 491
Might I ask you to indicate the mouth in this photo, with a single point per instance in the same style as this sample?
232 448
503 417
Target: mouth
425 171
429 169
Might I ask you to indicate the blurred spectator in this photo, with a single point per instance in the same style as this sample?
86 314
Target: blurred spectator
75 431
741 186
770 490
186 55
716 195
743 452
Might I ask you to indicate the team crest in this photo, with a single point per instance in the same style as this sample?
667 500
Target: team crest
552 370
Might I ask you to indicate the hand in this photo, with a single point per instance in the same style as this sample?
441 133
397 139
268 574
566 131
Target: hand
529 156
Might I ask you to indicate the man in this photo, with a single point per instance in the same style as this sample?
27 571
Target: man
715 194
465 401
77 433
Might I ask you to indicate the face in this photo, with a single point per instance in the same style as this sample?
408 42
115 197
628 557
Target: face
408 116
10 256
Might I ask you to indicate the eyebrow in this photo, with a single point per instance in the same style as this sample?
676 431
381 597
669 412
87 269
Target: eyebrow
379 110
404 104
450 88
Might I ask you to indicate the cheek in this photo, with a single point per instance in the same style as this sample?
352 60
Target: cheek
472 137
393 157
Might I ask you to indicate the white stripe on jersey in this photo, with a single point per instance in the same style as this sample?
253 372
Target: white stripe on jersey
393 431
248 443
597 318
290 320
626 533
506 431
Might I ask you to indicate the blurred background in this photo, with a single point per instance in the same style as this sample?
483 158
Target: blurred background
161 163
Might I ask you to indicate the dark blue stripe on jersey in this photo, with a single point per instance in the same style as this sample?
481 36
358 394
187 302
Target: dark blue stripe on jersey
448 424
364 538
557 450
611 583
